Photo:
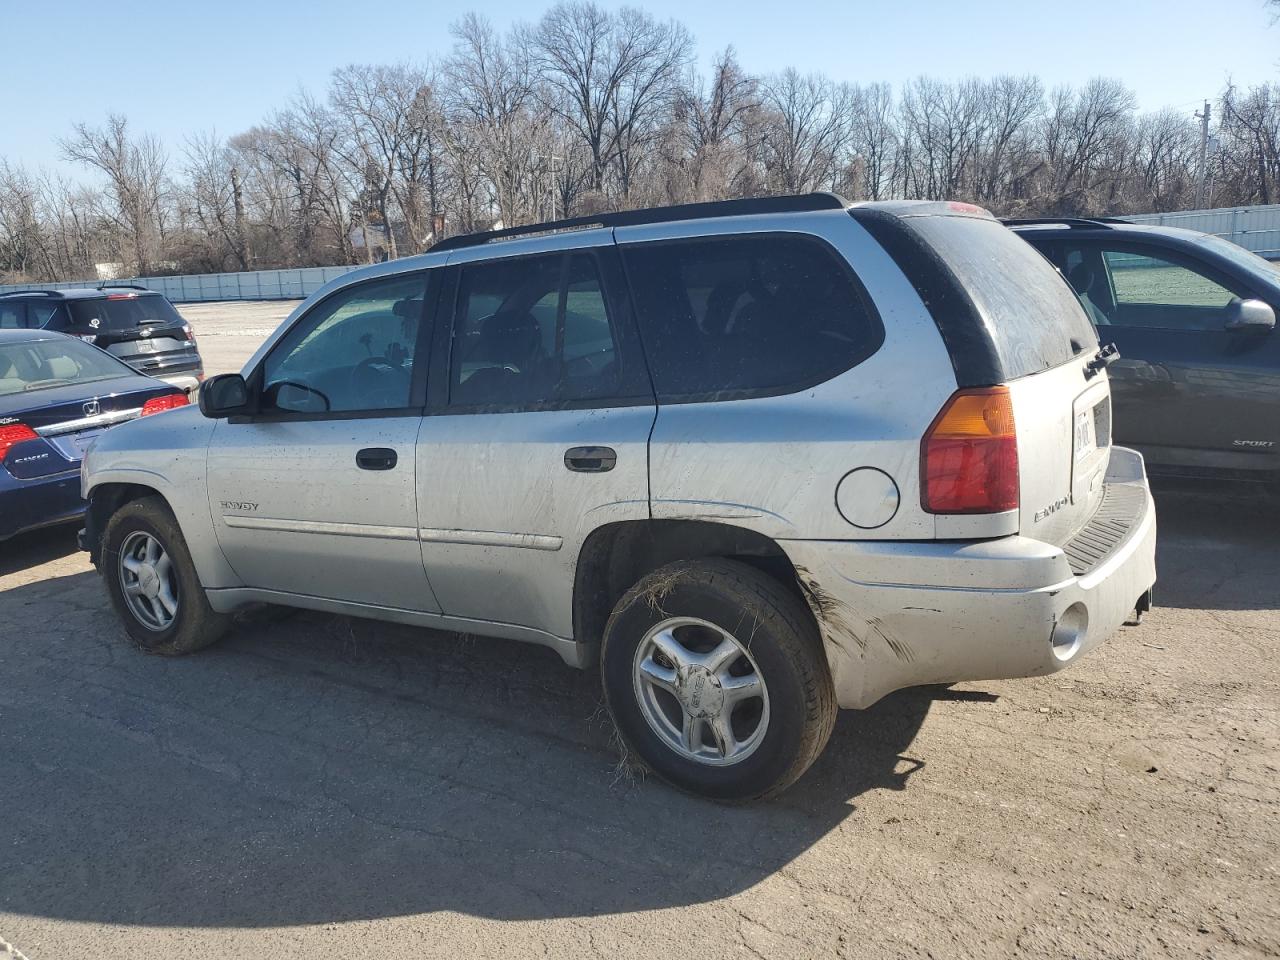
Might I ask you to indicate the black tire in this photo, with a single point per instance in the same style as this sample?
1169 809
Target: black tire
783 640
195 624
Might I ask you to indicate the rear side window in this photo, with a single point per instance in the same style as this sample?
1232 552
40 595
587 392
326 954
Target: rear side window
12 314
1033 318
747 315
121 312
531 331
50 316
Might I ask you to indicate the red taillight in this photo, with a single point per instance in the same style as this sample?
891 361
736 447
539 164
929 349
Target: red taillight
122 296
969 455
169 401
12 433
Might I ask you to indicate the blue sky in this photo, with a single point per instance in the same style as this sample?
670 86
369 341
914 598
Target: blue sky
177 68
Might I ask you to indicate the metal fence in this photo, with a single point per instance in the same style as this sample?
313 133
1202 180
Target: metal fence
250 285
1255 228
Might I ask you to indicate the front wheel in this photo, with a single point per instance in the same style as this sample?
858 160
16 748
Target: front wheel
715 676
152 581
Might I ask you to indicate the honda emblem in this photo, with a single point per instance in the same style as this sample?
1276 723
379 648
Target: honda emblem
91 409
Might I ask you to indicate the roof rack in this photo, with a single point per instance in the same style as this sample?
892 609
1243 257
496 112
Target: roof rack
1074 223
796 203
31 293
114 285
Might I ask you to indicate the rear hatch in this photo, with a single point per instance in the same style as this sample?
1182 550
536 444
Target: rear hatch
1009 318
142 329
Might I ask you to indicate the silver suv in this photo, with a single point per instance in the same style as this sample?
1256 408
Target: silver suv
758 459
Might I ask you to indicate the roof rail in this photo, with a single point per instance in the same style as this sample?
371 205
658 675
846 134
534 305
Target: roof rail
1074 223
31 293
625 218
115 285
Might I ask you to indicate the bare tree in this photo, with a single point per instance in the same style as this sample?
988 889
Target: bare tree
806 131
213 192
135 171
1080 134
606 75
492 104
1250 132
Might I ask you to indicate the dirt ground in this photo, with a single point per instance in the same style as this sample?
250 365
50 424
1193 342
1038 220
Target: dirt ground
316 786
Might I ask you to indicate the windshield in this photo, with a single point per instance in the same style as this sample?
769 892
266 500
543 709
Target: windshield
1246 259
40 364
123 311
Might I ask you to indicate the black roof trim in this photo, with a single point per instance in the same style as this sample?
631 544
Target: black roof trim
797 203
117 285
31 293
1073 223
974 357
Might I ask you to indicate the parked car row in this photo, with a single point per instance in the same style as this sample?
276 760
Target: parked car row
57 396
131 322
758 460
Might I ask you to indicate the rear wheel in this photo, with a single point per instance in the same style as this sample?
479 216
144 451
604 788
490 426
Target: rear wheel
715 677
152 581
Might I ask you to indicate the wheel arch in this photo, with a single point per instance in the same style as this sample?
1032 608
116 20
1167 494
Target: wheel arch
112 490
615 556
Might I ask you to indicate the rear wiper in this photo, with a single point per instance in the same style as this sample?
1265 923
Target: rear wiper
1101 360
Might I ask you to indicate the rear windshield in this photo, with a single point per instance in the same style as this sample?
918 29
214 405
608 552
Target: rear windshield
1035 320
123 312
37 364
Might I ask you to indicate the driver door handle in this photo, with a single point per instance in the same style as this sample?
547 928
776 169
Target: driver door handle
590 459
376 458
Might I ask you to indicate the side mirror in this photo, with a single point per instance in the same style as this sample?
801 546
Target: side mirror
226 395
1249 315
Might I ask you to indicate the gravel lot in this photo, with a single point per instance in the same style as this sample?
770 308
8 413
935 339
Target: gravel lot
316 786
228 333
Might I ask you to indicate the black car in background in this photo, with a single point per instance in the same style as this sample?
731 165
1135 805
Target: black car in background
1197 385
131 322
57 395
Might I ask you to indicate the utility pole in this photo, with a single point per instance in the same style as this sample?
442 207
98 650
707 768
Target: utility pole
1204 154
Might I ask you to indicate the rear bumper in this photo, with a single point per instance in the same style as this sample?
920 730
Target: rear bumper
900 614
44 501
187 382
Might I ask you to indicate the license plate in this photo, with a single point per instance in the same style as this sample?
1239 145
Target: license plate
73 445
1086 443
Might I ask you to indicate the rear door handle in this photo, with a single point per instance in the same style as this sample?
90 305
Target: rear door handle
376 458
590 459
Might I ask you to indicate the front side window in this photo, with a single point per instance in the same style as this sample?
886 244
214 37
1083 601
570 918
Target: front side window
747 314
1157 292
353 352
530 331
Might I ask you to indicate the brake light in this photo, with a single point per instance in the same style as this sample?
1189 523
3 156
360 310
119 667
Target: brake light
170 401
969 455
122 296
12 433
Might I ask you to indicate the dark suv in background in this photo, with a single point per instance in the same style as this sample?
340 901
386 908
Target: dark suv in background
1197 385
131 322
